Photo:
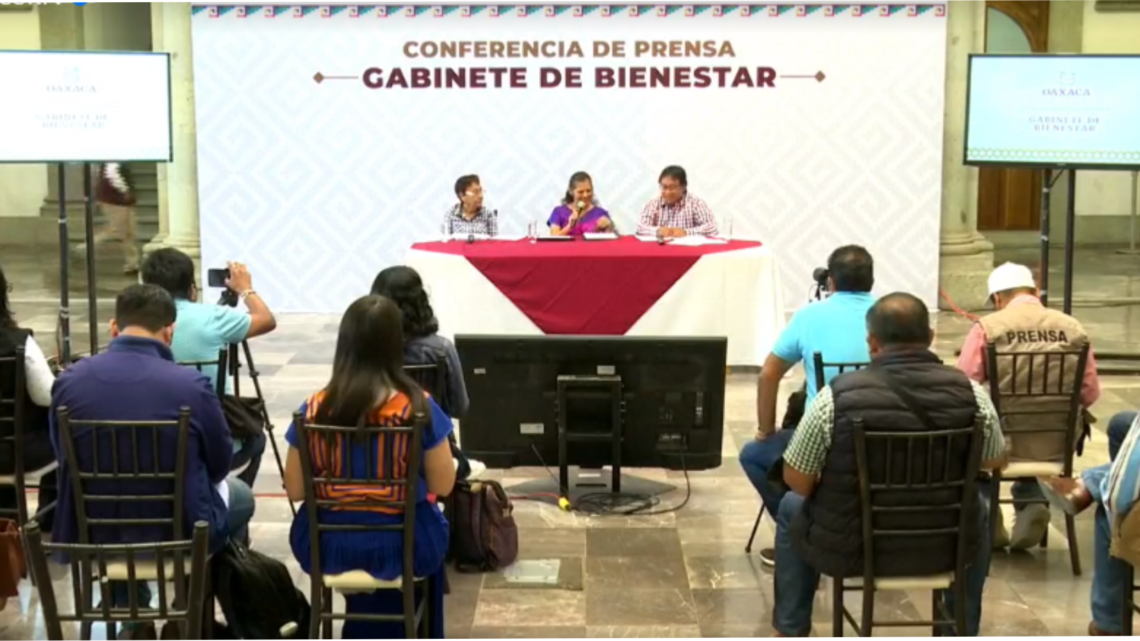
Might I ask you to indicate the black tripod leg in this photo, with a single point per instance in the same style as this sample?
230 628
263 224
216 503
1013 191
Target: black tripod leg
253 376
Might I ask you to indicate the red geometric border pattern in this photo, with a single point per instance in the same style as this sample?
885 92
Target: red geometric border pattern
575 11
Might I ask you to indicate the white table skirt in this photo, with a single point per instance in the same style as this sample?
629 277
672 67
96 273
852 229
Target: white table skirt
734 294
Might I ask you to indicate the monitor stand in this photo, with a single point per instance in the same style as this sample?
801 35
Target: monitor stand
585 481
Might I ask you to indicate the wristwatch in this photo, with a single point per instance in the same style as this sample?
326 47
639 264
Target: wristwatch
246 294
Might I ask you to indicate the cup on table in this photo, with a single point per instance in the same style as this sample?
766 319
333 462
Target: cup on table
443 235
532 230
728 228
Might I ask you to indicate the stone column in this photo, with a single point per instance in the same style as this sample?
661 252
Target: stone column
178 181
966 256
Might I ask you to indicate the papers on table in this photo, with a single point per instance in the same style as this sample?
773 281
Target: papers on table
600 236
685 241
462 238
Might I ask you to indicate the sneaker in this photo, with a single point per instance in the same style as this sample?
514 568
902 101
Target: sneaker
1066 494
477 469
1000 534
1029 526
136 630
768 557
170 631
1094 631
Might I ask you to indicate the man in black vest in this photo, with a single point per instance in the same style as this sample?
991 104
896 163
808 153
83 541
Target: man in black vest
818 526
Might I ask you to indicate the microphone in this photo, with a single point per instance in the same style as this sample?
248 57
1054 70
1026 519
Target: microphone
580 205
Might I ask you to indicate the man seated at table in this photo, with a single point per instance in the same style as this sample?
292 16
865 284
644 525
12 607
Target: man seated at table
469 216
836 327
676 213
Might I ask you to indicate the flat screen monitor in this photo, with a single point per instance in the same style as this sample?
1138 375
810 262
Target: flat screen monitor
672 393
85 106
1063 111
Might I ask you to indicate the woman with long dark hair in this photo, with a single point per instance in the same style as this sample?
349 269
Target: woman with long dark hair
38 379
422 343
369 387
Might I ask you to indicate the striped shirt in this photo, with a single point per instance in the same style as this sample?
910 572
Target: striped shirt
341 456
690 214
485 222
1122 487
807 452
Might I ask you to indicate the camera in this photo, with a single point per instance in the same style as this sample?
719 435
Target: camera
217 277
820 276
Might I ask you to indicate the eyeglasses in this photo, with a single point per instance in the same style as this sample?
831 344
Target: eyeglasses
475 194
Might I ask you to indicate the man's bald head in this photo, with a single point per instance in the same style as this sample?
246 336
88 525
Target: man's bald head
898 320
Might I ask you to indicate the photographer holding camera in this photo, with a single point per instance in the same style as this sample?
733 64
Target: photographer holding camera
835 326
202 330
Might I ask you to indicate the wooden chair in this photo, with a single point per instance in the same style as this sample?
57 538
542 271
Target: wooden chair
1059 397
183 563
896 465
12 423
404 492
432 378
820 383
136 459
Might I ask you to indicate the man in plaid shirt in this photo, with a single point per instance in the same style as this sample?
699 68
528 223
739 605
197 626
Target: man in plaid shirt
899 337
677 212
469 216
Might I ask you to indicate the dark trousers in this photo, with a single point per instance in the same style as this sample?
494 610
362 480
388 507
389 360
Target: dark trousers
38 452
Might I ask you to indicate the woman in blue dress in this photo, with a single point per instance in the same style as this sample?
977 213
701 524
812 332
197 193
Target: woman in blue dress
369 384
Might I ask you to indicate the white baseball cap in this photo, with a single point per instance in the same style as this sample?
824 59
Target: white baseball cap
1011 276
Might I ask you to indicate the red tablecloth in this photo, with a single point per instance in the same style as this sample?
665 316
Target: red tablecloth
581 287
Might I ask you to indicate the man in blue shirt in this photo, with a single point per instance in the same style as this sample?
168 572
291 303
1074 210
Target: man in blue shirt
136 379
204 330
837 328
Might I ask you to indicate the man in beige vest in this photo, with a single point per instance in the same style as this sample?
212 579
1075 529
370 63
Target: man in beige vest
1023 325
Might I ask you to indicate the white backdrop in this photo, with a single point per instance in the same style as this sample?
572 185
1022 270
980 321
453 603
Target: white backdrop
319 185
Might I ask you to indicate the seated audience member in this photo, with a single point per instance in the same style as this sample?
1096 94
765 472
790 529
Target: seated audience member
835 327
369 386
818 525
469 216
1112 488
422 343
579 213
677 212
136 379
205 329
1023 325
37 451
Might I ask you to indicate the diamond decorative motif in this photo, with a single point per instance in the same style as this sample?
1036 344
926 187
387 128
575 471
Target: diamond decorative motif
319 77
819 76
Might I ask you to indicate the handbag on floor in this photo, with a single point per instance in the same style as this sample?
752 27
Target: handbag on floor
14 566
484 536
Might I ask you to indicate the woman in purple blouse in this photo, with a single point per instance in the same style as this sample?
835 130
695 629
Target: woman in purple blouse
577 214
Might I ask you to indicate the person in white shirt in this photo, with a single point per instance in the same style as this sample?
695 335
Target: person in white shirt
37 449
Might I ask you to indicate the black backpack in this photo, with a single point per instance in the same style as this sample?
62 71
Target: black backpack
257 596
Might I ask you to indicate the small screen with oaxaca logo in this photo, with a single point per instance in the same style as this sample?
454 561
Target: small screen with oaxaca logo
85 106
1053 111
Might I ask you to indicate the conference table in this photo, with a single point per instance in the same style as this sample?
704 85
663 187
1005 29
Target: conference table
626 286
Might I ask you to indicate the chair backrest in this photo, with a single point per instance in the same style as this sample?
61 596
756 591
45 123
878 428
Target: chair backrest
432 377
138 462
220 364
1038 394
90 561
371 468
12 415
900 476
821 379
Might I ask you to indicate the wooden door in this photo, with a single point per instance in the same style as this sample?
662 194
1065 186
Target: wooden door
1010 199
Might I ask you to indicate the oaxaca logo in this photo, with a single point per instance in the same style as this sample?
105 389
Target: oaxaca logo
1066 87
70 82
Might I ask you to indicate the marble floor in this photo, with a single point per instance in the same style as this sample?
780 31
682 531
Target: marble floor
681 574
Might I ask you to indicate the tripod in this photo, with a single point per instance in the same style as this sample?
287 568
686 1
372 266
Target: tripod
233 365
